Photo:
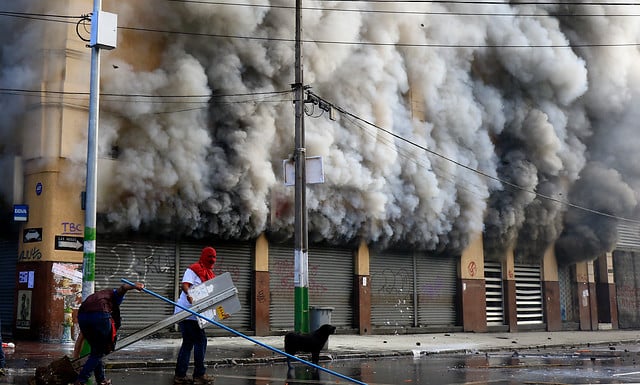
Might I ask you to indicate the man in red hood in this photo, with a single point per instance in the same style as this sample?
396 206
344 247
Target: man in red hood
193 337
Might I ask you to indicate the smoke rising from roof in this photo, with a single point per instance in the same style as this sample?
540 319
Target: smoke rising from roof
522 93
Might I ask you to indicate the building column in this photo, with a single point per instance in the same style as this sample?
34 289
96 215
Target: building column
473 287
584 295
551 291
509 284
363 289
261 293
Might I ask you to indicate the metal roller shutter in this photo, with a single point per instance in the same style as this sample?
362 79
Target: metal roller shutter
235 258
494 293
392 289
626 268
436 290
330 284
528 295
8 259
151 262
628 237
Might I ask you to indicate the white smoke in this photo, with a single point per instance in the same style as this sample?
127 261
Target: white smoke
521 93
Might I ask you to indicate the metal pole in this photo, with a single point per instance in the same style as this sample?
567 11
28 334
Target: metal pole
89 257
301 275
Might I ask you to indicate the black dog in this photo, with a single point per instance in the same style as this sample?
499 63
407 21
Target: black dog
308 343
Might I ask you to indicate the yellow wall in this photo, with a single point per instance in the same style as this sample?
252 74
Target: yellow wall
472 260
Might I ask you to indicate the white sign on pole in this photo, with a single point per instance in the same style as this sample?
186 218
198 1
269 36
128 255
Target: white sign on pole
313 167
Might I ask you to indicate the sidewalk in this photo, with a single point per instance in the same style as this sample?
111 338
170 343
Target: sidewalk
233 350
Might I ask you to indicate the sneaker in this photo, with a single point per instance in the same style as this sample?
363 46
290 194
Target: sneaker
203 380
106 381
3 372
181 380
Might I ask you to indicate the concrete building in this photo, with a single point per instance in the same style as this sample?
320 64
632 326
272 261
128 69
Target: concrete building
371 287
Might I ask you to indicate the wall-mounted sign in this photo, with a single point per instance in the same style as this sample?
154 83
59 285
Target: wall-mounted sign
69 243
20 213
38 188
32 235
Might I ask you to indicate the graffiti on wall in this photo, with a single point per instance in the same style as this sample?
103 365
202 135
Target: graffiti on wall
134 263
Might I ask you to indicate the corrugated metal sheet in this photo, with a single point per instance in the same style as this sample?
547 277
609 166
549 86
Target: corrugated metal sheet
627 278
330 284
8 260
151 262
235 258
392 289
628 237
436 290
529 305
494 293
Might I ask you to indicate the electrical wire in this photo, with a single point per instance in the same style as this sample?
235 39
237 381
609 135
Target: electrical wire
479 172
409 12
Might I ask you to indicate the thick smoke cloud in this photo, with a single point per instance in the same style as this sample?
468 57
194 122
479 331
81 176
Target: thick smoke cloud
535 100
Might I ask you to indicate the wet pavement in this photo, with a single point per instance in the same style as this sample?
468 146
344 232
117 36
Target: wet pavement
235 350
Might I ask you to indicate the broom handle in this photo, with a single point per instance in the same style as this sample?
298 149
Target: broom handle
239 334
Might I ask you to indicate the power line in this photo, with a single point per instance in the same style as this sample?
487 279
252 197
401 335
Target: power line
479 172
410 12
22 91
369 43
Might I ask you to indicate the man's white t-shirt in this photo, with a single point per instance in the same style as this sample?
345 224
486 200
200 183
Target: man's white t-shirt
190 277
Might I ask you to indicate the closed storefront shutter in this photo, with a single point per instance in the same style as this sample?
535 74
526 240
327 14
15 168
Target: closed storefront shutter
627 278
330 284
528 295
235 258
8 260
148 261
436 289
392 289
494 293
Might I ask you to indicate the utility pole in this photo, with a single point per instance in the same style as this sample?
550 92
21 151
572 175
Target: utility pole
89 256
301 264
104 32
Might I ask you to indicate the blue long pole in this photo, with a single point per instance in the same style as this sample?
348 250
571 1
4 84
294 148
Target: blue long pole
225 327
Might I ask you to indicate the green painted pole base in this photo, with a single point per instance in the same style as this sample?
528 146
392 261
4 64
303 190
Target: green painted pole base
301 296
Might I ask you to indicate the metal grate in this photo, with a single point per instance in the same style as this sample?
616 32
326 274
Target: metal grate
494 293
528 295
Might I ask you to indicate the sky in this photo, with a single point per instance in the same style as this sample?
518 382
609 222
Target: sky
517 121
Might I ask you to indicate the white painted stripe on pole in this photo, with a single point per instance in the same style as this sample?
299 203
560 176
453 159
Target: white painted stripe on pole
90 246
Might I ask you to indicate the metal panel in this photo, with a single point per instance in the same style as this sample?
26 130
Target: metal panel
436 290
331 278
148 261
529 305
628 237
568 295
494 293
627 293
235 258
8 260
392 289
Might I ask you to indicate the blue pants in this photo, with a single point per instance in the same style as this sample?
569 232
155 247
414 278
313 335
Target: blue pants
193 338
97 331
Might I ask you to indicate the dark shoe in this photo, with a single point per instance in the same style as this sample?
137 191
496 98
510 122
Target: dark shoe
78 383
203 380
181 381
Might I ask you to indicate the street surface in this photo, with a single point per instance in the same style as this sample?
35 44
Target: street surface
615 364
